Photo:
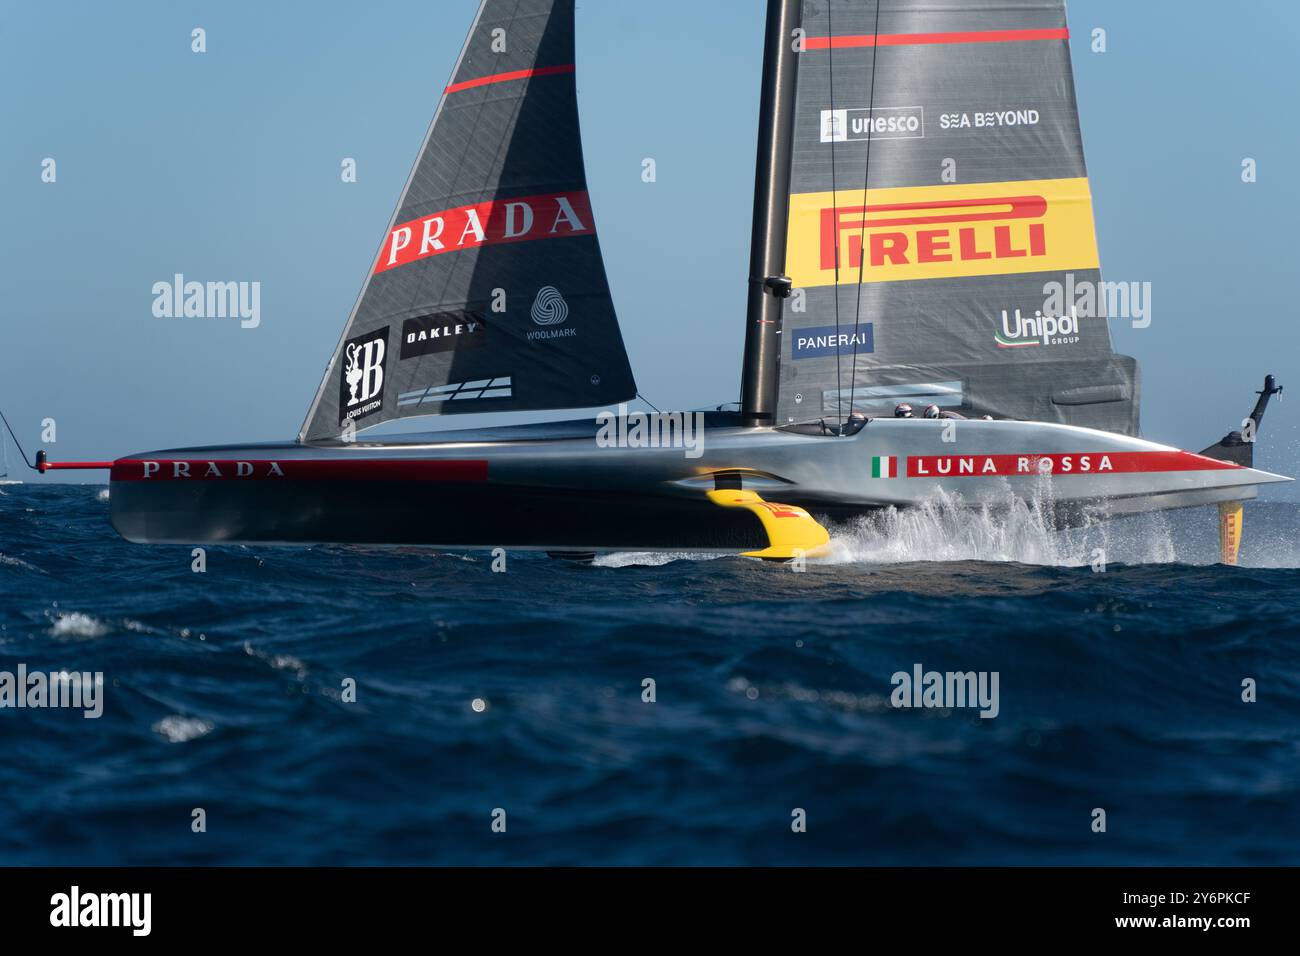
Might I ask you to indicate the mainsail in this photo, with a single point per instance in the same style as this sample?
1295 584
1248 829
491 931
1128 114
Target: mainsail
489 291
937 193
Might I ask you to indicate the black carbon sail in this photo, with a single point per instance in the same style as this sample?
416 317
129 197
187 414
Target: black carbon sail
937 192
489 292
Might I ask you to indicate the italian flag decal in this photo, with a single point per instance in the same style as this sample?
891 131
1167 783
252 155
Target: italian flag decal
884 467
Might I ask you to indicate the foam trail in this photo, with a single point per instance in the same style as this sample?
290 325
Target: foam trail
1015 530
947 529
652 559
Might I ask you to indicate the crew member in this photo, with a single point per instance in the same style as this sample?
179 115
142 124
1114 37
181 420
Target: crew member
933 411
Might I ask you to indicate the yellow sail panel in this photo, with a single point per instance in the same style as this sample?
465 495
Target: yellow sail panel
940 232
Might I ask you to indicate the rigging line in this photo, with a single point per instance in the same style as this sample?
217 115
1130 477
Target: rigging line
862 235
648 402
17 443
835 212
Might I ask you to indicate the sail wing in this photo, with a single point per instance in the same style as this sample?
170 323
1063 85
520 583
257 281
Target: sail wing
489 291
938 195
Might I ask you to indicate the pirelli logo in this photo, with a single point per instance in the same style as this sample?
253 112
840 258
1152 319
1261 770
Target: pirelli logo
939 232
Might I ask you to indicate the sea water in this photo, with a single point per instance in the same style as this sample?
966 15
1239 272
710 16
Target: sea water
338 705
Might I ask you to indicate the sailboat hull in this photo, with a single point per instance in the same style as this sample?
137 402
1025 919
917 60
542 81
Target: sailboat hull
449 515
556 488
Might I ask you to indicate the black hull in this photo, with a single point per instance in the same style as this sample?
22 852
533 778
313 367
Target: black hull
443 514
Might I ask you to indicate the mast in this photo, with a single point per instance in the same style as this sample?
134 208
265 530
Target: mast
767 282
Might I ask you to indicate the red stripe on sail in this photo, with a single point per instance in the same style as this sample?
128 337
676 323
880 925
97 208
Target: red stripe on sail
297 469
507 77
519 219
1061 464
928 39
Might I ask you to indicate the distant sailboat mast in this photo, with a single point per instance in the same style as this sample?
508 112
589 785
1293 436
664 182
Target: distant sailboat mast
5 438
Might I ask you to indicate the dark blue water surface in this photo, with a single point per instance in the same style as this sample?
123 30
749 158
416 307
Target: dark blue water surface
1119 689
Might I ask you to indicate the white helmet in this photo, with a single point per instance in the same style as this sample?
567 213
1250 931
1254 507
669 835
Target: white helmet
932 411
902 410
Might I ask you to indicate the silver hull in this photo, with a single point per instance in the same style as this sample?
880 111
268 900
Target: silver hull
554 487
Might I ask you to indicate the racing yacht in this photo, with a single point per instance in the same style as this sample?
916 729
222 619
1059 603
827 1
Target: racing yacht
920 198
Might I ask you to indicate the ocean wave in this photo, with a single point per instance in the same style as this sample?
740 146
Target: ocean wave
19 563
800 694
178 729
75 624
651 559
772 690
279 662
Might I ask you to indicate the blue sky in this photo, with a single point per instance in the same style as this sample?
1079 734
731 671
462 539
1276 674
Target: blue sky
225 166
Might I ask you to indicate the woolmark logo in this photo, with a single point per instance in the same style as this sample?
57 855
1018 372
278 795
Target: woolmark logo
549 309
361 381
885 122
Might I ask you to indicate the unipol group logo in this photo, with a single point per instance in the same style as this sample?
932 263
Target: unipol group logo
549 310
1020 331
935 232
361 380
